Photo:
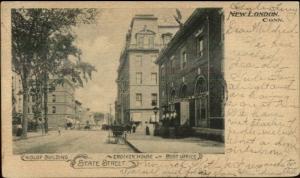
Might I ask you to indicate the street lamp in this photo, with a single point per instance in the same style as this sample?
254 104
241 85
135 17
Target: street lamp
155 110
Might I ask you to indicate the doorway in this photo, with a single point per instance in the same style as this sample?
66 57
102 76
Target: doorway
201 102
201 111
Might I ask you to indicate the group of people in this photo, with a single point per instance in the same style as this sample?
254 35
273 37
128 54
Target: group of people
131 128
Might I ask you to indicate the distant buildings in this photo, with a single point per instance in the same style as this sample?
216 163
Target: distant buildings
137 73
191 80
62 106
87 117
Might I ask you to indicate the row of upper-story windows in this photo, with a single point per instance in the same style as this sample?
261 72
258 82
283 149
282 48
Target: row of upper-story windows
53 98
145 41
139 99
33 109
139 77
183 57
139 60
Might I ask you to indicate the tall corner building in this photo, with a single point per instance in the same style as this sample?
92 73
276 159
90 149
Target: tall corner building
137 80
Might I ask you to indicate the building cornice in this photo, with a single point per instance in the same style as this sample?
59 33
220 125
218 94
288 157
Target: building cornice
194 18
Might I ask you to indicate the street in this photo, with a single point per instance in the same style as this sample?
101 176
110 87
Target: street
70 141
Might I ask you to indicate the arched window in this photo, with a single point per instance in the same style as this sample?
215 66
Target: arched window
183 91
201 86
172 94
145 38
53 109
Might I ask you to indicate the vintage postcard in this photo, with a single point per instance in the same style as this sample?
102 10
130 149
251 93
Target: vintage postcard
150 89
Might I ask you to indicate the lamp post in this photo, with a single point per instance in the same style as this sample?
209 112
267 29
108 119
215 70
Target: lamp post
155 110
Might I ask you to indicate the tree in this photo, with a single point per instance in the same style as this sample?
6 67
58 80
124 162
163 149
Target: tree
42 43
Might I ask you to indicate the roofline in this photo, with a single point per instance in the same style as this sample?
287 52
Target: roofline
181 31
168 26
142 16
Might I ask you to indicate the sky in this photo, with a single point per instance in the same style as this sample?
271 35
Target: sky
101 45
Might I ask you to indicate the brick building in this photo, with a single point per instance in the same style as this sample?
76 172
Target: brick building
137 73
61 105
191 80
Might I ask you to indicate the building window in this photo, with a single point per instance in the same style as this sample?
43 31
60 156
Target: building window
200 47
172 95
154 99
154 77
162 72
138 99
183 91
33 99
183 59
28 109
166 38
140 41
172 65
53 98
139 78
53 109
139 61
151 41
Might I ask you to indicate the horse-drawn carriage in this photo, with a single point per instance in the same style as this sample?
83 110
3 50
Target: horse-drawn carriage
117 134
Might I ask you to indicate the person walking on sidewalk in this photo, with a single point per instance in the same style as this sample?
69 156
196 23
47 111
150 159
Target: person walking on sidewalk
41 123
59 130
147 129
133 127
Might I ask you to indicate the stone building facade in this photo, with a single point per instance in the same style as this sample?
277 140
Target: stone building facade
137 73
191 72
61 105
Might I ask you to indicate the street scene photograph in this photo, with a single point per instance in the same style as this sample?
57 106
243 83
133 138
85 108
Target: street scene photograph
118 80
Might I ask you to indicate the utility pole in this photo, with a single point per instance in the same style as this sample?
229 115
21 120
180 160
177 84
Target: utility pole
109 117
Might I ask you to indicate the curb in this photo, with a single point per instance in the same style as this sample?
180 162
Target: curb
36 136
133 147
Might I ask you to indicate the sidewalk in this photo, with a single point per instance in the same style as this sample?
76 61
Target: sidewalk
155 144
33 135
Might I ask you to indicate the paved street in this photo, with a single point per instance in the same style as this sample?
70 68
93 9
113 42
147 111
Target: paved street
70 141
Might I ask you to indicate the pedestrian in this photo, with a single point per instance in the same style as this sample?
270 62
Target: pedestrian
59 130
147 129
133 127
41 125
